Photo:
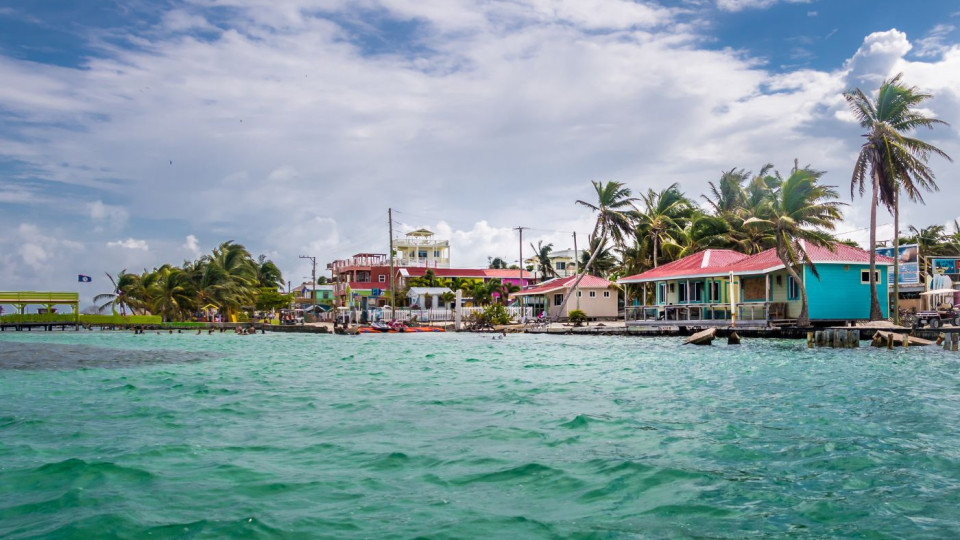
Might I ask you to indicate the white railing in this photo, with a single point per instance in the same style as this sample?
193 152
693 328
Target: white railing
517 313
420 262
746 311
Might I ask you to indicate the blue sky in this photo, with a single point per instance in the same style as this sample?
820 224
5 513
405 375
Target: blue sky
138 133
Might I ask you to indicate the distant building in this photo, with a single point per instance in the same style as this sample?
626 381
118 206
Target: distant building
563 263
711 286
419 248
595 296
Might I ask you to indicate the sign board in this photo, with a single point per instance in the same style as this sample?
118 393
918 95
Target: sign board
943 265
909 257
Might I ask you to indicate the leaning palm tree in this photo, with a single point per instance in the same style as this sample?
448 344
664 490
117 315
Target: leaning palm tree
800 212
893 160
122 284
615 212
541 253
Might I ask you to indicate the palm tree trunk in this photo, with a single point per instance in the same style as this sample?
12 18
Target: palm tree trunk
896 256
583 272
803 320
875 313
655 241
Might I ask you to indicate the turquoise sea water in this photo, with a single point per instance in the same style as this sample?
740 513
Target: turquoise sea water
460 436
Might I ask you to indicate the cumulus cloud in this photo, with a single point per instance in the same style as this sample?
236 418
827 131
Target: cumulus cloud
877 58
130 243
192 245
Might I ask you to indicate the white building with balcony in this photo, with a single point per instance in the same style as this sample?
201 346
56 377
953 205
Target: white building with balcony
419 248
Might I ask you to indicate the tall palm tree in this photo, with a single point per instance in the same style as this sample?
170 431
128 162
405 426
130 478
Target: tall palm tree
268 274
892 160
615 214
542 255
665 214
800 211
122 284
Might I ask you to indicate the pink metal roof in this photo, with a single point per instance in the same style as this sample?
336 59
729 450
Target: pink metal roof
588 282
710 261
723 261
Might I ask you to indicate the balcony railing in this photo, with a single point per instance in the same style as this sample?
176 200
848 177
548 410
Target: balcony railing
749 313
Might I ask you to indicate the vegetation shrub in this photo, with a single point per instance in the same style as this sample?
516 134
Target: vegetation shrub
496 314
578 317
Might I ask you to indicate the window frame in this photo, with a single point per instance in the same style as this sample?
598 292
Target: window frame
865 273
793 289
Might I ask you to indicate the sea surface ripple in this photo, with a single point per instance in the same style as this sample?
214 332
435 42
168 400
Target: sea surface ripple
113 435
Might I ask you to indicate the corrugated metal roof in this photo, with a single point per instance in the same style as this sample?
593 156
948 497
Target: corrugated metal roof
588 282
724 261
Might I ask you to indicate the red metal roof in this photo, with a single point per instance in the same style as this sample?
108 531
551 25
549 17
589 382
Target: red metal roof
723 261
420 271
710 261
588 282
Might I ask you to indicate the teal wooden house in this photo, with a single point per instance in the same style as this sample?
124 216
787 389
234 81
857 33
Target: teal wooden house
716 286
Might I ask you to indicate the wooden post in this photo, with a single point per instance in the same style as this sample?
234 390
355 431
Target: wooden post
906 341
890 341
956 342
809 340
946 342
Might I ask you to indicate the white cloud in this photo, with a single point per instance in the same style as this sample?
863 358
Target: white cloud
130 243
114 216
935 42
192 245
739 5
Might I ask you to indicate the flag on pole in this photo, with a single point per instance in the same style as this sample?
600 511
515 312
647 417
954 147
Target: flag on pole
84 279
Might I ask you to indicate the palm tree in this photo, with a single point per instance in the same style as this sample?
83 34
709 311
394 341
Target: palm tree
542 256
893 160
605 261
498 263
269 275
172 294
800 212
665 214
118 298
615 213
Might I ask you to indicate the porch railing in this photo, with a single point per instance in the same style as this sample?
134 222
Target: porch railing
749 311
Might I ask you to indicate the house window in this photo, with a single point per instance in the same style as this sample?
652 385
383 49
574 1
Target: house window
593 294
557 299
661 293
382 278
436 254
865 277
422 254
681 293
770 288
561 265
793 289
606 294
696 291
713 291
579 294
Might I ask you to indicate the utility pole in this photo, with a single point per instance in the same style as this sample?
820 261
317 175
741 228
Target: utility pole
521 256
313 286
393 288
576 265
